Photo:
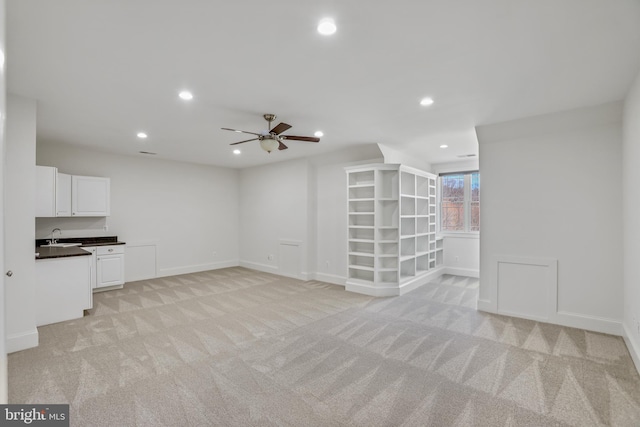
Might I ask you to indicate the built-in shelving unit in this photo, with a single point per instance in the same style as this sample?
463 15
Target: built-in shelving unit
392 229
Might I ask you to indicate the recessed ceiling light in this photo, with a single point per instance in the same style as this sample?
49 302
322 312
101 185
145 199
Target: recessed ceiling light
444 146
426 101
142 135
319 133
327 26
237 151
186 95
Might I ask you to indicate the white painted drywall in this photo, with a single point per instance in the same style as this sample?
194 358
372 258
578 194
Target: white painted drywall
551 190
331 196
19 213
4 396
631 221
406 158
188 213
462 254
461 250
273 207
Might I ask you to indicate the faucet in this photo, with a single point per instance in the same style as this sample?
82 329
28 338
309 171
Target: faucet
53 240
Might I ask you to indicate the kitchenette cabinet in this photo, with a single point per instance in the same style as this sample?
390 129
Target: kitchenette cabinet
107 266
62 289
63 195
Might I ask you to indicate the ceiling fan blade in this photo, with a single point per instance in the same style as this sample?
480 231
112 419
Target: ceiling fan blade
241 131
253 139
282 146
280 128
301 138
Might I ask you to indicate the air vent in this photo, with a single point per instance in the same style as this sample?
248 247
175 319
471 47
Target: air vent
147 152
466 155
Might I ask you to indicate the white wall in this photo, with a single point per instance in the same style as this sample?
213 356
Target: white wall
19 213
183 215
3 351
331 196
393 155
461 250
274 213
631 214
551 191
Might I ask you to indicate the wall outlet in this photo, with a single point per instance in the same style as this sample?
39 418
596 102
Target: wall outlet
456 259
328 264
270 257
105 227
215 253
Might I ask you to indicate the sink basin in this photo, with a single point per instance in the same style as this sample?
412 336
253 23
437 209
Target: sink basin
60 245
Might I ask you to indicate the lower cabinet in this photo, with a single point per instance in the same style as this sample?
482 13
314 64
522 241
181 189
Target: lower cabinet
107 266
62 289
110 266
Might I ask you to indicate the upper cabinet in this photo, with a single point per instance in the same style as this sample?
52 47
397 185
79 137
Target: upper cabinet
63 195
46 191
90 196
59 194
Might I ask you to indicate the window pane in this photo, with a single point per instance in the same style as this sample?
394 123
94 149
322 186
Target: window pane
475 202
452 203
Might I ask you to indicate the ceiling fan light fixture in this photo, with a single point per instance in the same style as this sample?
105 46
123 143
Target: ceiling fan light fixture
269 144
327 27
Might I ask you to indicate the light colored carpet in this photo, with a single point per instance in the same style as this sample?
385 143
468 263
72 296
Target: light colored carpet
237 347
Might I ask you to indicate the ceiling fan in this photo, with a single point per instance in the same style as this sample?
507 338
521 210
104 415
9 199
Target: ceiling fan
272 139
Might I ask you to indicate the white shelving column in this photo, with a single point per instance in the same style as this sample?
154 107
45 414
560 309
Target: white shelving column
392 241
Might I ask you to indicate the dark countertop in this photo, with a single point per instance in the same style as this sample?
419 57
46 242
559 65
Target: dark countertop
58 252
48 252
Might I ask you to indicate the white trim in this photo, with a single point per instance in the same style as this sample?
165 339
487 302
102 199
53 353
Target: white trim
330 278
555 316
466 272
590 323
174 271
22 341
551 286
459 234
371 290
421 280
260 267
632 345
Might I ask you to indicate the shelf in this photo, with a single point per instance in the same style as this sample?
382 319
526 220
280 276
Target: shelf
361 178
392 224
363 254
360 267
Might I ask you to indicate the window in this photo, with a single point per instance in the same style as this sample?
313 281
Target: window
460 202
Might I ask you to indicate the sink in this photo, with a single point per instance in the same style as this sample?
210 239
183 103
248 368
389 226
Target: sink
60 245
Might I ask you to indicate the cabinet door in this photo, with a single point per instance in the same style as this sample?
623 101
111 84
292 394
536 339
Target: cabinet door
46 191
90 196
110 270
94 274
63 195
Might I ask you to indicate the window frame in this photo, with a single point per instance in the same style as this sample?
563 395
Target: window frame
467 203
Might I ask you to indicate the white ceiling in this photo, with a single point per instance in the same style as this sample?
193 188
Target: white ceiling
102 70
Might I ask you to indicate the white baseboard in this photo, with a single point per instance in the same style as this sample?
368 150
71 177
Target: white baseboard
589 323
371 290
22 341
486 305
466 272
330 278
632 345
260 267
421 280
563 318
196 268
